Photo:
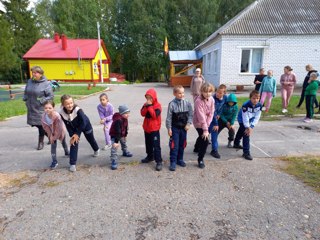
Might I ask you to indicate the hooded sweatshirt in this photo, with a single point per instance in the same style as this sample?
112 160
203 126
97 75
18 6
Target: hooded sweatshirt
119 127
229 113
151 113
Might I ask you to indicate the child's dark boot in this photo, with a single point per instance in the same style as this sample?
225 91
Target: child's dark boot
127 154
114 165
201 163
229 144
215 154
247 156
172 166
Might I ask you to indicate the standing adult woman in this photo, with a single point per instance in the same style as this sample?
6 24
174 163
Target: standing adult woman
288 81
38 90
196 83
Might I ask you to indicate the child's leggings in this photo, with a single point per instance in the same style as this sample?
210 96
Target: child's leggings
263 98
201 144
54 149
106 130
286 92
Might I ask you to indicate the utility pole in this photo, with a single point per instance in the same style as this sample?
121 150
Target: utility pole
99 45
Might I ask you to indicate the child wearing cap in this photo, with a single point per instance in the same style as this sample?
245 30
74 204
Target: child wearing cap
118 134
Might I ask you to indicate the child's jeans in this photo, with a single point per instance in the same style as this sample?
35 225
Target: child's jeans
214 134
74 148
246 139
114 151
152 142
286 92
177 144
263 98
106 130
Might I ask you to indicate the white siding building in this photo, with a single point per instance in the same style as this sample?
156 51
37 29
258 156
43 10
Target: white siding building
269 34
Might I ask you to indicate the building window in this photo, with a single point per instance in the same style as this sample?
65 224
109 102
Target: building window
251 60
215 61
209 68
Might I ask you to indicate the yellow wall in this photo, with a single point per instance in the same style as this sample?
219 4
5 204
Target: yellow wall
105 67
71 69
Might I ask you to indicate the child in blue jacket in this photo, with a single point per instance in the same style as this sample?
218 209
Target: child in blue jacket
248 118
227 116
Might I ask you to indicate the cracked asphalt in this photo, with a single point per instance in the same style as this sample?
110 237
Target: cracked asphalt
230 199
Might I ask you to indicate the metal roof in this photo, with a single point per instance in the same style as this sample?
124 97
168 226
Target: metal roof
273 17
183 55
49 49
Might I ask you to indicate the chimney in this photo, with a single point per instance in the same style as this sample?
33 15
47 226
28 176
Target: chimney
56 37
64 41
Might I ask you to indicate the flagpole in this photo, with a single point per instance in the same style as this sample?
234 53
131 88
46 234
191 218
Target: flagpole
99 45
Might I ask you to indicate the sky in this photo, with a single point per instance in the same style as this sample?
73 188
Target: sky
31 4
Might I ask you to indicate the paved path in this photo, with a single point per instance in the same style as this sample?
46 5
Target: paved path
230 199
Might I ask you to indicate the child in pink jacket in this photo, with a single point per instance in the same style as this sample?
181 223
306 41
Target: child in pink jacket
55 130
203 114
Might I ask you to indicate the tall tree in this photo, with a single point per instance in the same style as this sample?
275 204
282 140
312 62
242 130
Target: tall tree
229 8
8 60
44 20
23 27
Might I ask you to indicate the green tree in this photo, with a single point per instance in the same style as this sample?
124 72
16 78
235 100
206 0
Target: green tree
8 60
23 27
229 8
44 20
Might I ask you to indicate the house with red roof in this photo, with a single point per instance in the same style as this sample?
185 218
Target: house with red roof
71 60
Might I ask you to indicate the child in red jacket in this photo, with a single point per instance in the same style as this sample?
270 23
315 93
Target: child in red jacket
151 111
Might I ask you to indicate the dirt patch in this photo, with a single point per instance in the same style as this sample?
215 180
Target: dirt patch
19 179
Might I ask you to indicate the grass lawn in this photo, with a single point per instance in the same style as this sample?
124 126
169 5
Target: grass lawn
306 168
276 107
17 106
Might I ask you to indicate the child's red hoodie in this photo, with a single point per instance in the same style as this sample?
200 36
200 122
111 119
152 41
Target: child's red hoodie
151 113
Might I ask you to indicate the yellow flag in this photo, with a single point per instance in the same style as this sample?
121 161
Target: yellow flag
165 46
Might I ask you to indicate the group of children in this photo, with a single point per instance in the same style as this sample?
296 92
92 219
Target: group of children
212 113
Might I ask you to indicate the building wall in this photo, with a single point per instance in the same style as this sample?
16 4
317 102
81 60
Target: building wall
64 69
105 67
279 51
72 70
211 72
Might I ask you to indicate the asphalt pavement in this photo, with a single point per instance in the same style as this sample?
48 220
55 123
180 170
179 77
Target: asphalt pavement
230 199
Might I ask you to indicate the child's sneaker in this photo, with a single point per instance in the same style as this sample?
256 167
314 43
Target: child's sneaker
307 120
127 154
181 163
96 153
247 156
73 168
215 154
238 146
172 166
201 164
54 165
264 109
147 160
229 144
159 166
114 165
106 147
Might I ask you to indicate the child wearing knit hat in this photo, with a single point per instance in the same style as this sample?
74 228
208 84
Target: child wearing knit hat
118 134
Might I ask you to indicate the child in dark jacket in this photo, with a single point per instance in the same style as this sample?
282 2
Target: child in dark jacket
118 133
151 111
227 116
76 122
179 119
248 118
